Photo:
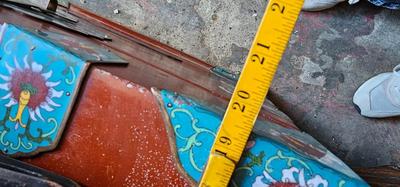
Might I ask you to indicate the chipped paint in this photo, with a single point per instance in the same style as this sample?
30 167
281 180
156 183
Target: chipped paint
375 43
329 35
312 73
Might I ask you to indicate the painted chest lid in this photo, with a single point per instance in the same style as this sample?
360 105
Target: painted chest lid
39 80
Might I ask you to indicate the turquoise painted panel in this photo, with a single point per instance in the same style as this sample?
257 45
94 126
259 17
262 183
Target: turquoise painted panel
268 163
38 81
194 128
264 163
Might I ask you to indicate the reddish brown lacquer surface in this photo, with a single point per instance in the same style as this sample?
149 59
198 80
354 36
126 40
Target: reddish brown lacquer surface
116 137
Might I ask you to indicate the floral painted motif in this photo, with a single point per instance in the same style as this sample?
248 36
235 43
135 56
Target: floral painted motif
194 137
281 166
289 179
29 88
264 163
36 91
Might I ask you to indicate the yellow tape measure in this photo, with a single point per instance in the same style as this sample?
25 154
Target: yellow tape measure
251 89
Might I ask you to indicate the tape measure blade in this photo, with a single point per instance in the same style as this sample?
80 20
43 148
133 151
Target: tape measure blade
220 169
252 87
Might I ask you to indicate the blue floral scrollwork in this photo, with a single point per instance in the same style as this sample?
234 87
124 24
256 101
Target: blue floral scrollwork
195 130
191 141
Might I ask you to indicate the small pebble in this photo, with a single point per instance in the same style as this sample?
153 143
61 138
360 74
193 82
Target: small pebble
116 11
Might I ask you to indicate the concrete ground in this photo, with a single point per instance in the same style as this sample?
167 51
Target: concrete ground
330 54
218 32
